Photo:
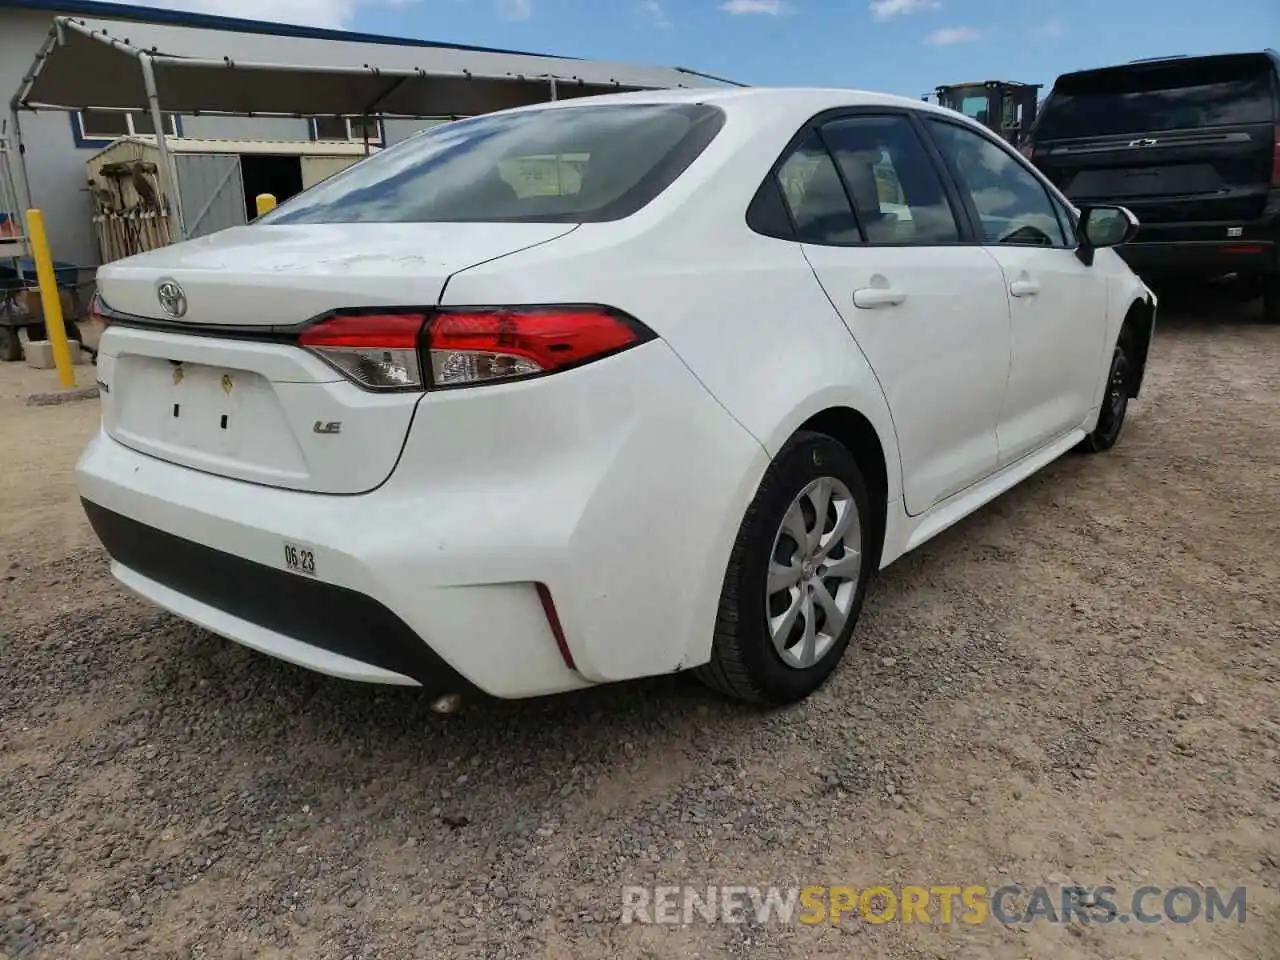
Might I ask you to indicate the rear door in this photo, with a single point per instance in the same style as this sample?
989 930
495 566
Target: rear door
1175 141
928 311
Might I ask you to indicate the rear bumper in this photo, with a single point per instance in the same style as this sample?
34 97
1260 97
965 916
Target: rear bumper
620 486
1204 250
1207 259
350 634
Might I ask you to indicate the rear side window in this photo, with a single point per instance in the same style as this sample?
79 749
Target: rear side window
1173 96
815 196
569 164
897 193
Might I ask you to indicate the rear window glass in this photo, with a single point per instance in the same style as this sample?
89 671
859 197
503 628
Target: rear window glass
561 164
1169 97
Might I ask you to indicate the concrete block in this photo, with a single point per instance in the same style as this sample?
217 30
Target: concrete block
39 353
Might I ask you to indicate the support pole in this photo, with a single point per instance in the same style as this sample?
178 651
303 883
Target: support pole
168 181
555 93
50 300
20 149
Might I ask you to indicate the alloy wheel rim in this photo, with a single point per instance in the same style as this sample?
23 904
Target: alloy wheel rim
814 569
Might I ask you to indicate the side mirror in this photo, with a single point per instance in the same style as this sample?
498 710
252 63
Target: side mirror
1103 226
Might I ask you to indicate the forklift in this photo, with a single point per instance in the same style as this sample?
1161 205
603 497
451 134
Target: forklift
1005 107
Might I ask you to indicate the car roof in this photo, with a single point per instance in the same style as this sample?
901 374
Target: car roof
800 100
1155 63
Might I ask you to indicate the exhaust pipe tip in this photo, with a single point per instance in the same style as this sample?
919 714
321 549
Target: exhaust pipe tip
449 703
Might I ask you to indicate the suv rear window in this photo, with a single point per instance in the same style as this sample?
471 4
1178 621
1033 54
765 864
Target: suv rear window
1174 96
559 164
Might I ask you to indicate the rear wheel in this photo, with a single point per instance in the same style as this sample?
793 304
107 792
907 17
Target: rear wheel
1115 404
796 578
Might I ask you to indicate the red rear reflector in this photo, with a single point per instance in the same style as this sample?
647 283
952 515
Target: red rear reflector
379 351
553 621
1243 249
470 346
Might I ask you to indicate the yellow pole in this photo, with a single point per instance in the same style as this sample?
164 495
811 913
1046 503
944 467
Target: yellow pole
266 203
49 297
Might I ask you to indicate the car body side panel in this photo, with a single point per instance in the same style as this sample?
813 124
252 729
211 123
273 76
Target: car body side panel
752 325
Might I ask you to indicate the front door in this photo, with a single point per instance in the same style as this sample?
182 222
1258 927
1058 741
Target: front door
1058 306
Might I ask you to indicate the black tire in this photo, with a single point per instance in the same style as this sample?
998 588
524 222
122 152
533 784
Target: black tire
744 663
10 344
1115 403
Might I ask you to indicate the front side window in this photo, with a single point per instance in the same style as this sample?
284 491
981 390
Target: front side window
1013 206
897 193
569 164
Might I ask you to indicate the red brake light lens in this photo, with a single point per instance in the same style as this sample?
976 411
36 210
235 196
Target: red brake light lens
473 346
1275 158
379 351
465 346
96 310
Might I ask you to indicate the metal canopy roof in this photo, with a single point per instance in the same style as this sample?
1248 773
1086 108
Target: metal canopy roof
95 64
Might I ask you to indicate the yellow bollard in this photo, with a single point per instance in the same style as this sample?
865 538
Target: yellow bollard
49 297
266 202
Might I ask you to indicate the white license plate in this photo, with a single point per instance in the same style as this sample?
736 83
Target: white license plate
299 559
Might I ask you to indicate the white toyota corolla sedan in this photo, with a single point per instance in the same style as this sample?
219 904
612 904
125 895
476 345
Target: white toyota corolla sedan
603 389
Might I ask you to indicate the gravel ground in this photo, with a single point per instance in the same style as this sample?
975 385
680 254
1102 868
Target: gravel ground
1078 683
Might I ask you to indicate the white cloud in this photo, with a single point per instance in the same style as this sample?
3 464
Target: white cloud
333 14
952 35
653 10
769 8
888 9
515 9
1050 28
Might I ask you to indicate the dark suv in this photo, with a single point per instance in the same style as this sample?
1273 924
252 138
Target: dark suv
1192 146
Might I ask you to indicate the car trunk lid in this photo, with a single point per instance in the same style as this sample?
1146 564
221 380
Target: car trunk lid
224 387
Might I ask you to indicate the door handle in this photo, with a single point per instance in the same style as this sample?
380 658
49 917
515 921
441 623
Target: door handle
868 298
1024 288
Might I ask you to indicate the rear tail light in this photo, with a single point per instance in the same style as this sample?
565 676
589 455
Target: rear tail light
458 347
378 351
97 311
480 346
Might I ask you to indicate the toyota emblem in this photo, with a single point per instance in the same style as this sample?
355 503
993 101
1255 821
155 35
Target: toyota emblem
173 300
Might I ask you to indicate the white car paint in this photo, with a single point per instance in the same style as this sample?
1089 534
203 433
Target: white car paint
620 485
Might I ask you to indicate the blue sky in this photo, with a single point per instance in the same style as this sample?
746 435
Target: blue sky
900 46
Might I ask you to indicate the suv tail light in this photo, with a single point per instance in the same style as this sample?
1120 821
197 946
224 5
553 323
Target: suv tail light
467 346
1275 158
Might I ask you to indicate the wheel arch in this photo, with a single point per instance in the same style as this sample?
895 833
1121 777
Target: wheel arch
1136 333
855 431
